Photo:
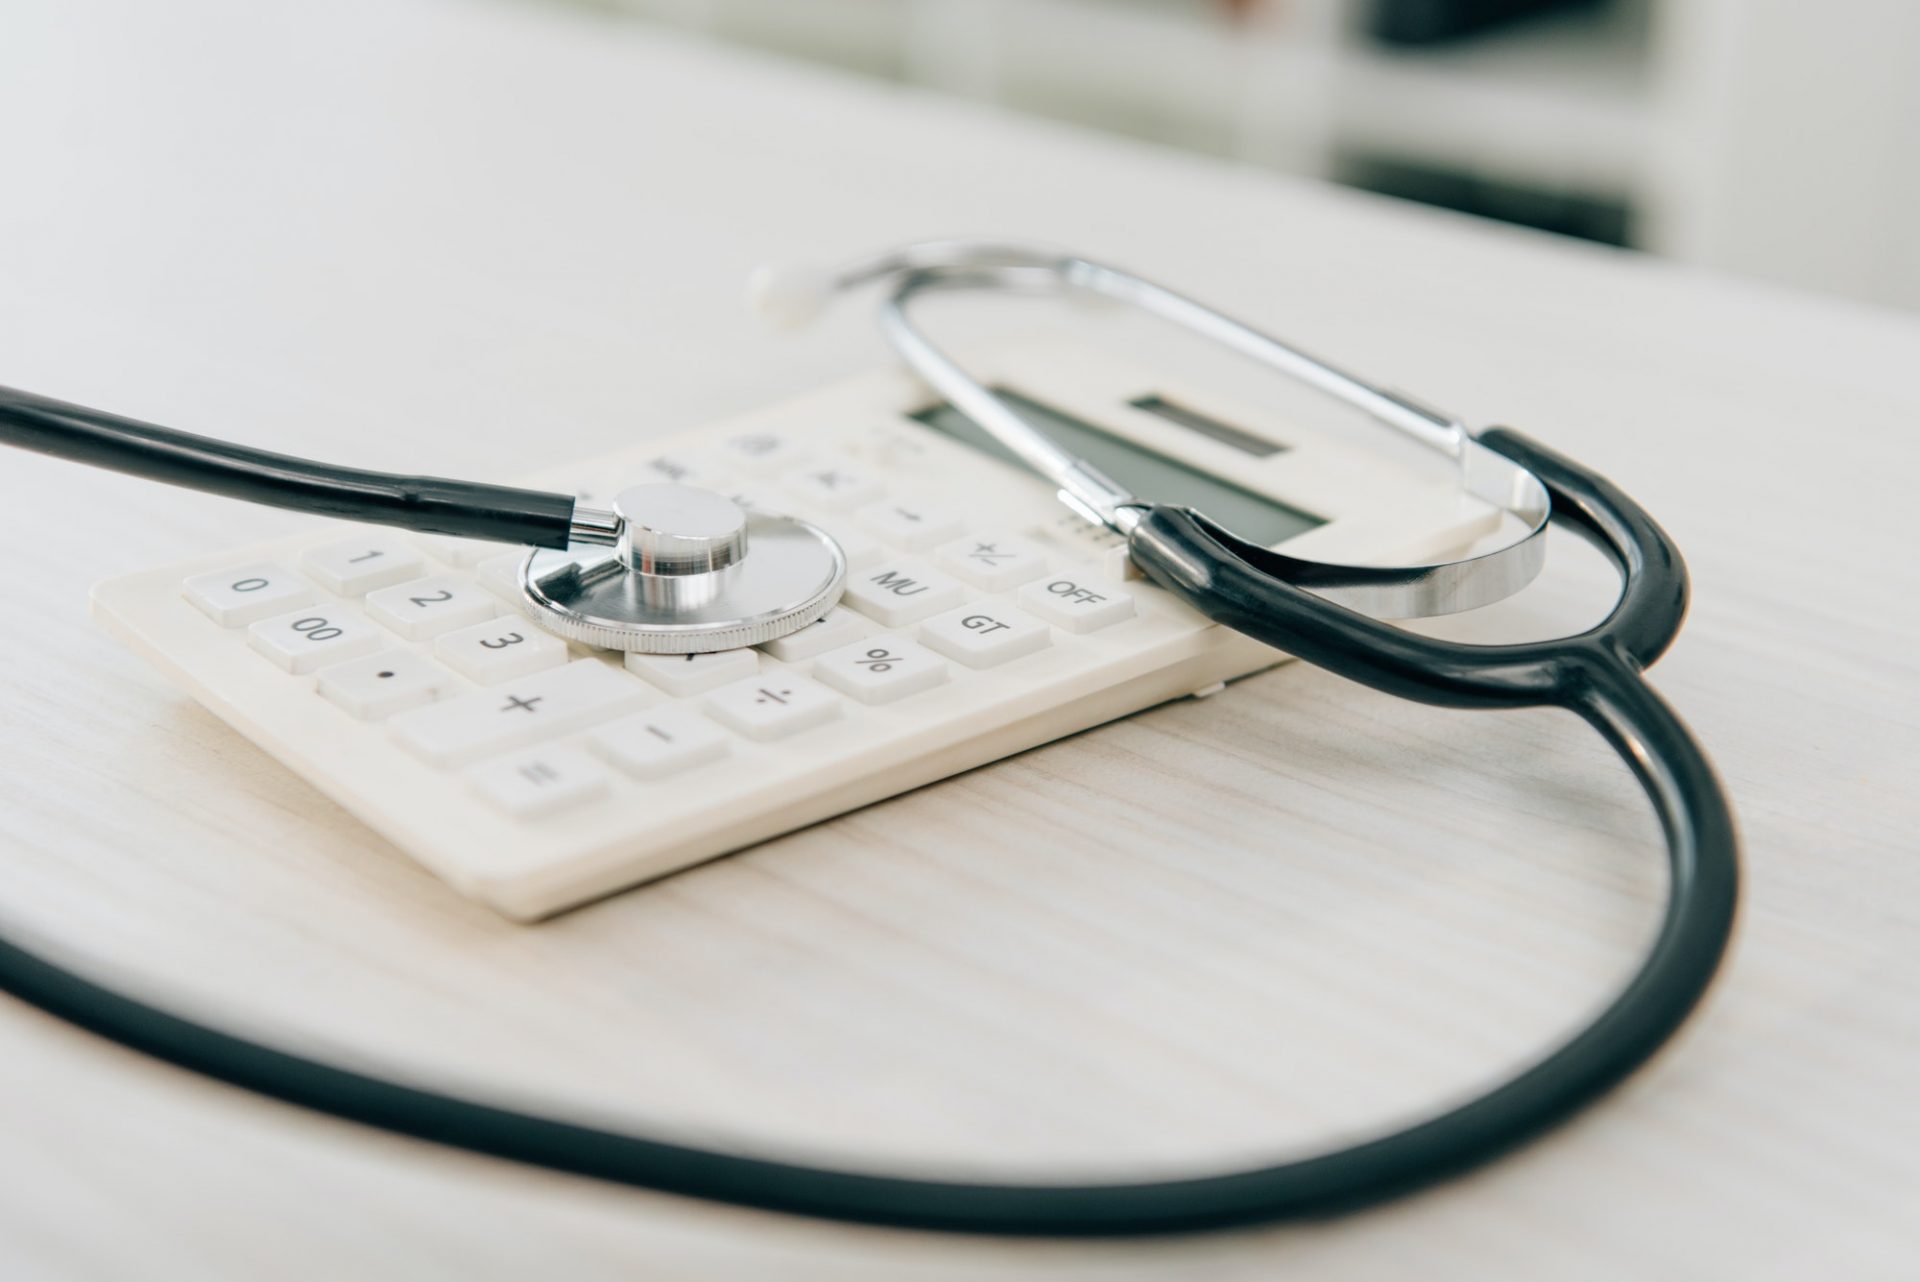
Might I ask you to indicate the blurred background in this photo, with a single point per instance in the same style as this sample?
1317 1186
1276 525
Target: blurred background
1776 139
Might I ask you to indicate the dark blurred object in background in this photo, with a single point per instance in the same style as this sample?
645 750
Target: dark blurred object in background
1567 212
1421 22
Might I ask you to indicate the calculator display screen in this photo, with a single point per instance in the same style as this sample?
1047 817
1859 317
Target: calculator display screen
1154 477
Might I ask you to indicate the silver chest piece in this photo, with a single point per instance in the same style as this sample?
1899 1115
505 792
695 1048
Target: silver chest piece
692 572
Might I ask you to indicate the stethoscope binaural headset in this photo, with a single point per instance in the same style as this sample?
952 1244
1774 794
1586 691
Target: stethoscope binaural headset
678 570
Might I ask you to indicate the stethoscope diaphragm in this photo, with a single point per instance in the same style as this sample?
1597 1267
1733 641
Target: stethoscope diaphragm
692 571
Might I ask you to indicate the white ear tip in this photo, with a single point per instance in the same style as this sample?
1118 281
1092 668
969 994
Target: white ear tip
789 296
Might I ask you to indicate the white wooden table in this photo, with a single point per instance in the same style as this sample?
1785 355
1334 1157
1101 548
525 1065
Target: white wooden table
477 238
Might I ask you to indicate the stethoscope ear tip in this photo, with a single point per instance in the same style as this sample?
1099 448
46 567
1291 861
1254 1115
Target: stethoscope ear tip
788 297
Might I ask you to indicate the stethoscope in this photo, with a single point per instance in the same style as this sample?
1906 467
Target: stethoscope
671 569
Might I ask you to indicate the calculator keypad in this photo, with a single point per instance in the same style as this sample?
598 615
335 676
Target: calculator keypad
419 642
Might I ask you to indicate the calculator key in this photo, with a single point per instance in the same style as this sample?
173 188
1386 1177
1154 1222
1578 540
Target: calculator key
762 453
909 524
773 708
901 592
500 650
683 674
834 486
880 669
757 498
893 448
376 687
314 636
531 784
1077 605
995 562
831 630
460 552
985 636
652 745
358 566
424 608
676 468
500 575
235 598
558 701
862 549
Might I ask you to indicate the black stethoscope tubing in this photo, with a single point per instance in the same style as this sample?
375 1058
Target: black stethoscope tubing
1596 674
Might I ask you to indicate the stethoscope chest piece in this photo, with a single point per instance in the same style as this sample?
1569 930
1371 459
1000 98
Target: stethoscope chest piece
692 572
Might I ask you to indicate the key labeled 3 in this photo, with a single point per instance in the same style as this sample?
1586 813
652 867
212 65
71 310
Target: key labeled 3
499 650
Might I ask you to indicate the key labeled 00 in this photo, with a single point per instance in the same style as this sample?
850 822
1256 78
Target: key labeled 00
315 628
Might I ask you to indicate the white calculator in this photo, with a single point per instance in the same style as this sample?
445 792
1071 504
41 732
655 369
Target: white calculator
980 618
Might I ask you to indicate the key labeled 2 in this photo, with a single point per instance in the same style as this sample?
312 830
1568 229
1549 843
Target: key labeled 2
425 608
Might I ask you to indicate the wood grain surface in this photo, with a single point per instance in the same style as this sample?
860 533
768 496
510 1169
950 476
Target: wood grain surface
479 238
